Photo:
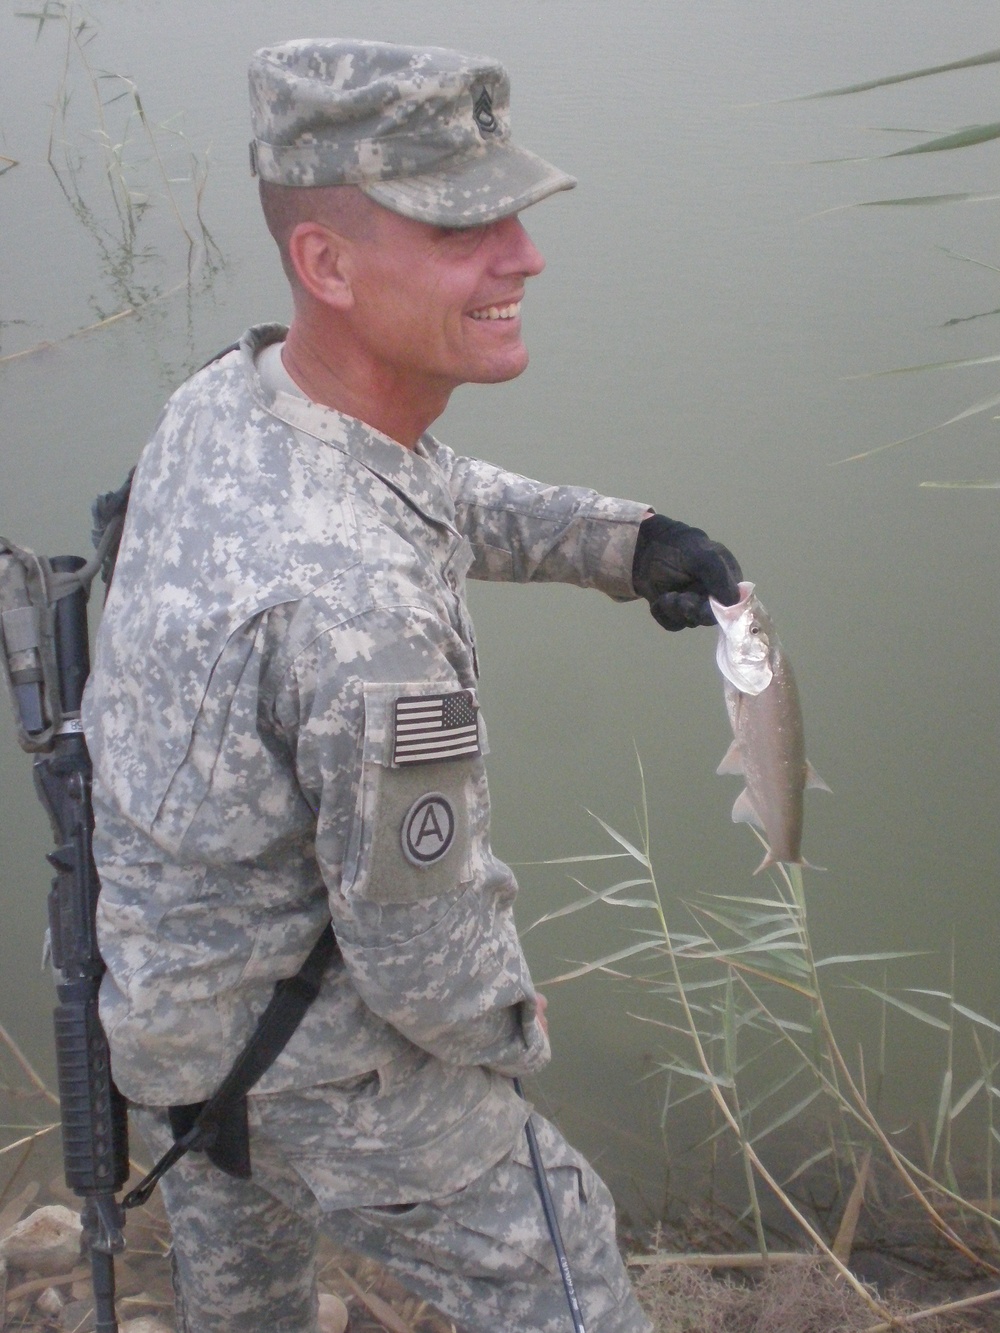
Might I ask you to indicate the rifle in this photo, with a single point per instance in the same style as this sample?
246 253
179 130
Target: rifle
46 659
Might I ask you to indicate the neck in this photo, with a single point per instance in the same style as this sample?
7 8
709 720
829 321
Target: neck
326 371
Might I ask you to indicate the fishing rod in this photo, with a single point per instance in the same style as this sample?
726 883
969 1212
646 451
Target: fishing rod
551 1218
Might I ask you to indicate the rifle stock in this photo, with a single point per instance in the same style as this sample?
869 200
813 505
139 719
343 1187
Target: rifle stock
94 1119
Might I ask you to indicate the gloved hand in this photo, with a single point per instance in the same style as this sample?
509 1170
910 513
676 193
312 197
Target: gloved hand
677 568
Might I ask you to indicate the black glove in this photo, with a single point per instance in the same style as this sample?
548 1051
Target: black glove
677 568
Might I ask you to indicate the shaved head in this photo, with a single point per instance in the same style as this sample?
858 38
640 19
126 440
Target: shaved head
343 208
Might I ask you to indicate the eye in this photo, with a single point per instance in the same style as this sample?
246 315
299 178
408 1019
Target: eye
464 240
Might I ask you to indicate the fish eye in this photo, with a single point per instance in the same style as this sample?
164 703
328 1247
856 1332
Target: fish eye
754 629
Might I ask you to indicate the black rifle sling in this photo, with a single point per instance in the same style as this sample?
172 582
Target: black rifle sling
218 1127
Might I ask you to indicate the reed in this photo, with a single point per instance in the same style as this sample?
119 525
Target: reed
965 137
739 998
120 171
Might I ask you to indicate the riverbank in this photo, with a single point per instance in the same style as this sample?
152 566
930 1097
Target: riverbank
694 1271
682 1281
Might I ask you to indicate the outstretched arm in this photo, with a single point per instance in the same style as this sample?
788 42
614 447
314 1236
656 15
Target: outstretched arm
524 531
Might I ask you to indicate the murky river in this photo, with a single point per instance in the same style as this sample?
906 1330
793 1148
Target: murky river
702 339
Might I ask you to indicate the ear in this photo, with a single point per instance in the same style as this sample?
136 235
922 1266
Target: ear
321 260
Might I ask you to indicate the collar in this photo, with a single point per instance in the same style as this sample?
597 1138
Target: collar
412 473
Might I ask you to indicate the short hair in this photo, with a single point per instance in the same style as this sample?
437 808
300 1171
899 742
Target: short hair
345 209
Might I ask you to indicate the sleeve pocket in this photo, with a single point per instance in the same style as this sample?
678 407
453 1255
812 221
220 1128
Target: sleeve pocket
416 812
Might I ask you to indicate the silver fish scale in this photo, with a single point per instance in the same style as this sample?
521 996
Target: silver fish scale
768 748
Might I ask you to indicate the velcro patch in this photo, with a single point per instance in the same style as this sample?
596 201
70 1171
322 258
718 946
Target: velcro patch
436 726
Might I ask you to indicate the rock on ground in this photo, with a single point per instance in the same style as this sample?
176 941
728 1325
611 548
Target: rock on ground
332 1314
45 1242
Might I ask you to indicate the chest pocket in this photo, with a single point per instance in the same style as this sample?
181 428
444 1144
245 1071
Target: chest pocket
422 802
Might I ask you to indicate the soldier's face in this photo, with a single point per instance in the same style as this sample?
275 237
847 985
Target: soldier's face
441 305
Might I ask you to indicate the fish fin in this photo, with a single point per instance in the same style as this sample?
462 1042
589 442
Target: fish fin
745 812
813 779
768 860
732 760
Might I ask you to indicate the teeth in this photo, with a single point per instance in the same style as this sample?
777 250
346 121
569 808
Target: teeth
498 312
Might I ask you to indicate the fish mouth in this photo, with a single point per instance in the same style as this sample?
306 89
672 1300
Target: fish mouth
723 613
743 659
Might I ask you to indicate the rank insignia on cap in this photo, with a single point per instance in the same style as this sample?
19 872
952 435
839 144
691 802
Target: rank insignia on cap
482 111
437 726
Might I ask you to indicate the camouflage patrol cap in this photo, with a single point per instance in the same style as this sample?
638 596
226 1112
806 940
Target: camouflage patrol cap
424 131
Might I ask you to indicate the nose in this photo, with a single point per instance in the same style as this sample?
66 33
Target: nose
518 253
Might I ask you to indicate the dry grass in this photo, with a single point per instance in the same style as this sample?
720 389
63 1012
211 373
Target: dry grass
787 1298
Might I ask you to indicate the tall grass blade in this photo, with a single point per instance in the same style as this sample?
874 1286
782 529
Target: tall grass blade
969 62
772 1091
763 942
966 1097
700 1075
944 1102
976 1018
834 959
910 1009
843 1242
647 946
729 1027
971 259
908 439
33 1137
921 200
786 1116
622 841
574 860
814 1160
789 1025
906 201
594 896
965 138
928 365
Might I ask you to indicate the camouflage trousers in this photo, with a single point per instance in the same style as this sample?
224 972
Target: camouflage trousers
244 1250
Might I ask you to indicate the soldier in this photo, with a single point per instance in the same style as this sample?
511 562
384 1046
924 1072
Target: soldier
285 728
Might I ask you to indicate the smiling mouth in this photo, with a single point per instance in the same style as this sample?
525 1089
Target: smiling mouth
497 311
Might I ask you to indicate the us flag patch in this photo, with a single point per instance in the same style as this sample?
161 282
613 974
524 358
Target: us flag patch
436 726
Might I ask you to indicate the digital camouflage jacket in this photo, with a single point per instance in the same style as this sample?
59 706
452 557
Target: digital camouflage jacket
284 725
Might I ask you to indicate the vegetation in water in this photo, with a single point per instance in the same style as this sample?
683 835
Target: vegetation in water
681 1293
737 994
965 137
738 998
120 171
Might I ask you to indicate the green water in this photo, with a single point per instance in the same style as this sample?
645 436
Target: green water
696 341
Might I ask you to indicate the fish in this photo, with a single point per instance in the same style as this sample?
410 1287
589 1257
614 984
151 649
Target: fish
768 747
